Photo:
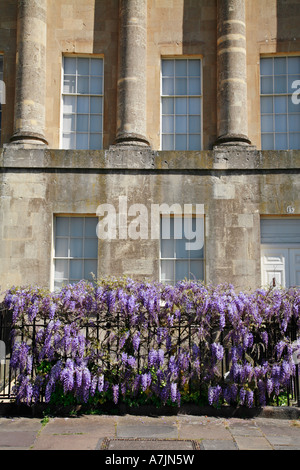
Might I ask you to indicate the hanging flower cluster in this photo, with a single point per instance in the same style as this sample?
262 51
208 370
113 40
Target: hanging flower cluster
126 338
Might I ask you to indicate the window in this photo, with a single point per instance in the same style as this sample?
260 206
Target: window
75 249
2 90
82 120
178 259
181 104
280 112
280 252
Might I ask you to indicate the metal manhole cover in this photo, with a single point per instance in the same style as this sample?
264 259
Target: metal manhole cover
149 444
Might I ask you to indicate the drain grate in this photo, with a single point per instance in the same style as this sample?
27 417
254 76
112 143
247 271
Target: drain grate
149 444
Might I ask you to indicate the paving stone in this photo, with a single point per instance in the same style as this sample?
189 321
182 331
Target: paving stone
147 430
24 424
245 431
66 442
213 444
204 432
147 444
252 443
102 425
17 438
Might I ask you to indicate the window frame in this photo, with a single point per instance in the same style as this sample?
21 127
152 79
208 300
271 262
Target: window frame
202 260
186 96
76 94
288 95
68 280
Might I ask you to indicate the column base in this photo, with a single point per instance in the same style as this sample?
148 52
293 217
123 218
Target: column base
131 140
232 139
27 141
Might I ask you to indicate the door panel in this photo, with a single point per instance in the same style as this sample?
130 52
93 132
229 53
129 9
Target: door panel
274 261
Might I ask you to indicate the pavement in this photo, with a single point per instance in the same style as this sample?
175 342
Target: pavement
179 434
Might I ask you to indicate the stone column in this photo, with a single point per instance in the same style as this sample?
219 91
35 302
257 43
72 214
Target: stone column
29 119
232 73
131 108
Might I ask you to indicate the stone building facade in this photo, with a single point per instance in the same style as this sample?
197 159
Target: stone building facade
116 112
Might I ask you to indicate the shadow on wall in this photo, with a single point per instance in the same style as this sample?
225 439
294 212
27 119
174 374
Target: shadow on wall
106 43
199 37
288 21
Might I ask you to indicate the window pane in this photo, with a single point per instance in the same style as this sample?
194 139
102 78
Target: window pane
82 141
280 84
294 65
280 104
194 86
281 123
197 270
194 106
68 141
90 269
181 124
168 106
280 66
168 142
95 141
61 247
181 142
69 104
69 84
293 107
167 248
194 142
266 104
96 123
90 227
281 142
180 248
91 248
97 66
70 65
69 122
181 68
96 105
180 105
168 86
194 124
167 270
267 123
76 248
168 124
83 85
96 86
82 104
82 66
62 226
294 123
266 66
180 86
82 123
61 269
76 269
76 228
194 68
267 141
181 270
294 141
267 85
168 68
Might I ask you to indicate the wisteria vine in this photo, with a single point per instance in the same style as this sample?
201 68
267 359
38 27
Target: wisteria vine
122 338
